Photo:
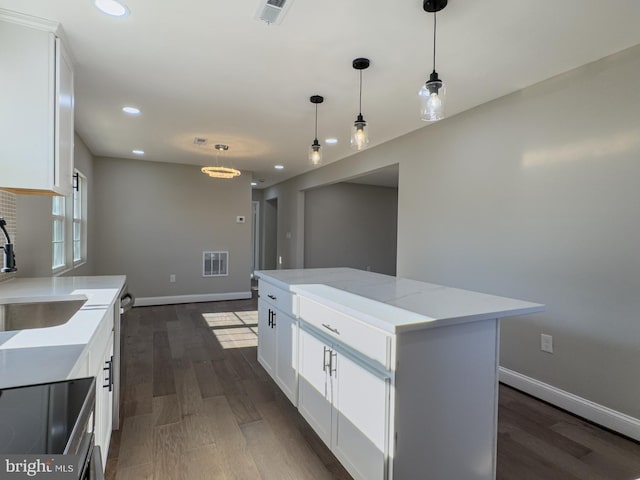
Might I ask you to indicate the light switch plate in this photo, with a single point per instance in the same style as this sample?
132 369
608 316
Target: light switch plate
546 343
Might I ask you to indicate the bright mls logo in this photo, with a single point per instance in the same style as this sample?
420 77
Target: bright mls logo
50 467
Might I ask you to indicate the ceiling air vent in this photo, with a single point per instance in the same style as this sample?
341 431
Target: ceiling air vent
199 141
272 11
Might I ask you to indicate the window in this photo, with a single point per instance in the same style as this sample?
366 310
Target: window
69 237
79 218
215 264
58 212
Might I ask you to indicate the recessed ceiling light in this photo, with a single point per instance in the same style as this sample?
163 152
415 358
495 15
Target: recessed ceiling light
279 167
112 7
254 184
331 141
131 110
137 152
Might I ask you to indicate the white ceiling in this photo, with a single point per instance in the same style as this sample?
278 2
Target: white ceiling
208 68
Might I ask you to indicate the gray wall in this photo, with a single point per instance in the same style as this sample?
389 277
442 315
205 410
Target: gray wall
350 225
34 225
156 219
535 196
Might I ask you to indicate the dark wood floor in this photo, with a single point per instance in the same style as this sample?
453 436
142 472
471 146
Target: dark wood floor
197 405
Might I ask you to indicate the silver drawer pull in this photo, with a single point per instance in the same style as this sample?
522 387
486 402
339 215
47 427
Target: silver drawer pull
329 327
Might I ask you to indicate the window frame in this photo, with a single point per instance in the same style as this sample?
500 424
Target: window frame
79 200
58 217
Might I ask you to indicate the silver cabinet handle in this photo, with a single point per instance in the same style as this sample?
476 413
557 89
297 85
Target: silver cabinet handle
326 365
333 368
329 327
272 297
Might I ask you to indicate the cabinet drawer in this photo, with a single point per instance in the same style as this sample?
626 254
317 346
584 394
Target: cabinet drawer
366 339
279 298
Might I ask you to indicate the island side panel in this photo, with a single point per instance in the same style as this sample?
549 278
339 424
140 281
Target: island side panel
446 402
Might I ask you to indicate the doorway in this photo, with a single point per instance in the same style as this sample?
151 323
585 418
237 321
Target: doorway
255 236
270 251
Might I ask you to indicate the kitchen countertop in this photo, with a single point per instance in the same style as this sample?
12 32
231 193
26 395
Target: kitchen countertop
395 304
42 355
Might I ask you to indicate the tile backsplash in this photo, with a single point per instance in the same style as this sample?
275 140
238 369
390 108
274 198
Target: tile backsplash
8 212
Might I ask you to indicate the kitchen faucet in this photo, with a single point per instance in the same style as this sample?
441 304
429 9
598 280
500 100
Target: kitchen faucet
9 256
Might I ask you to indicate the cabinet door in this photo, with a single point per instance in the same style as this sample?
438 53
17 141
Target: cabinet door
63 171
314 384
287 355
36 120
266 338
27 112
104 401
360 417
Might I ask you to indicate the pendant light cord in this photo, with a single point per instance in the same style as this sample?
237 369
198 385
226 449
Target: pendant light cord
316 122
434 41
360 92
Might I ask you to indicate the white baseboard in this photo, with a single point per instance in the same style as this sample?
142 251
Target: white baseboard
612 419
204 297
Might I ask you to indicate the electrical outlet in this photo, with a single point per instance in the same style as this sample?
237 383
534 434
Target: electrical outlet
546 343
172 278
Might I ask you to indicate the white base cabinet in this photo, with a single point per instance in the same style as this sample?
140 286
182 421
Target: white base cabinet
278 341
104 401
98 362
346 403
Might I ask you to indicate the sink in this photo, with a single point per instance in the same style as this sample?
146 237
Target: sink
27 315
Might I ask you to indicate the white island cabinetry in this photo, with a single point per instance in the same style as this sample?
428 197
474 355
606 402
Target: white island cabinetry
398 377
278 338
345 402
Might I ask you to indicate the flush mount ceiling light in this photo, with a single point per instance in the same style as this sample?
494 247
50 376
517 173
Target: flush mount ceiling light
432 93
112 7
315 150
279 167
359 132
131 110
137 152
330 141
220 171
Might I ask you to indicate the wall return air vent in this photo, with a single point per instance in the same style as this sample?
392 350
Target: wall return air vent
273 11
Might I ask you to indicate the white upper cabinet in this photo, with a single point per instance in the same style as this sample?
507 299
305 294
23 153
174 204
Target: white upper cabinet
36 107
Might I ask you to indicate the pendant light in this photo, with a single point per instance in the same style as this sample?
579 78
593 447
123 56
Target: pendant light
315 150
360 131
220 171
432 94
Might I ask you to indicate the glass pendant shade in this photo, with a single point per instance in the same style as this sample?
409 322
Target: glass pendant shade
315 153
359 134
432 99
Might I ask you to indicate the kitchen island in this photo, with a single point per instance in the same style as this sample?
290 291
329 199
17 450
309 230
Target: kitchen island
398 377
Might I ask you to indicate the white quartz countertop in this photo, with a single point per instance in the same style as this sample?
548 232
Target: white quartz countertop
395 304
41 355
